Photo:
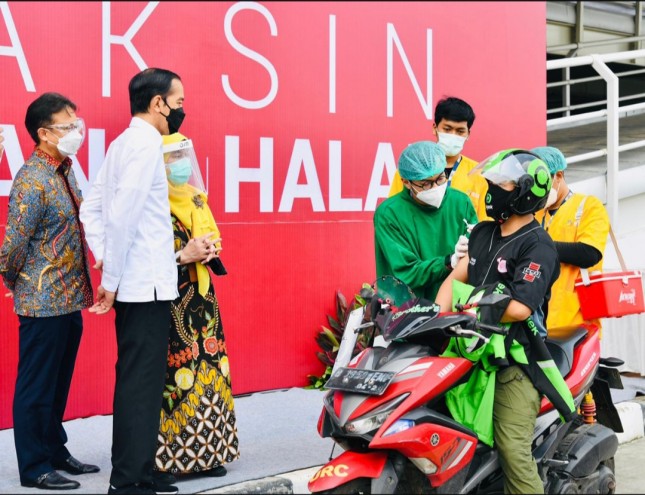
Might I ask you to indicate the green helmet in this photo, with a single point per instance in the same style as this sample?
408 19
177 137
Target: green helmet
526 171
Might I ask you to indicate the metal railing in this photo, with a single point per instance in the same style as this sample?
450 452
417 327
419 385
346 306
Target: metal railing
594 44
612 112
568 82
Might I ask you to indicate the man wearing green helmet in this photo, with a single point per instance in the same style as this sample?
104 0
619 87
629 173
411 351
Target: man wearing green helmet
514 250
420 233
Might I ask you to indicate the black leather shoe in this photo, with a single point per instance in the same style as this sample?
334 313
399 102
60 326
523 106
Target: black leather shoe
74 466
52 481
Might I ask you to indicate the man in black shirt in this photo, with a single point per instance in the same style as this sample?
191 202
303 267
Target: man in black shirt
515 250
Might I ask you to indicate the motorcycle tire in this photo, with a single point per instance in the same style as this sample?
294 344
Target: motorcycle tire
354 487
607 482
570 487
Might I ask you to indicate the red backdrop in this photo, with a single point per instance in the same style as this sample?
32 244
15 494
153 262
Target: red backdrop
298 112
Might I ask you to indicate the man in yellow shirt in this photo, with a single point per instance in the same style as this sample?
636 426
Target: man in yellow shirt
453 119
579 225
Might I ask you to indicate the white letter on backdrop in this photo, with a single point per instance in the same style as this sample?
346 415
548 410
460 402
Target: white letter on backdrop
125 40
332 64
228 21
14 156
336 201
96 155
15 50
393 38
234 174
301 154
384 157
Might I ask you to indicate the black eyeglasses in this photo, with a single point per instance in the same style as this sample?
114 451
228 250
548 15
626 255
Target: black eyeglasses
429 183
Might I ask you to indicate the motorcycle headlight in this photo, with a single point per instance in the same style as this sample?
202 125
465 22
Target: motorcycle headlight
365 425
399 426
376 419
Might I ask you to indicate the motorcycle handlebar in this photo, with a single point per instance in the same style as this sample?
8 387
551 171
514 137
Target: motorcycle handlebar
493 328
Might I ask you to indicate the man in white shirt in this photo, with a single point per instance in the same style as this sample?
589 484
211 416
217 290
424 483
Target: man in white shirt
127 224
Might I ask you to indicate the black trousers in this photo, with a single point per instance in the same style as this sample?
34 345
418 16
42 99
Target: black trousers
142 332
47 354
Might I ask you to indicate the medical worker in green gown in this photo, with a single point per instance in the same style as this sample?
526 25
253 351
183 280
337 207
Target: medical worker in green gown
421 232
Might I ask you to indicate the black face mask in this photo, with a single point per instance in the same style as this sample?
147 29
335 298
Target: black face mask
497 202
174 118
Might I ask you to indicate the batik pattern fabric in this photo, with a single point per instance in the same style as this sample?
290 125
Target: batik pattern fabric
198 429
44 257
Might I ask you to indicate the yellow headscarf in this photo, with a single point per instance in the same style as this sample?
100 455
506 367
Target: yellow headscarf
190 206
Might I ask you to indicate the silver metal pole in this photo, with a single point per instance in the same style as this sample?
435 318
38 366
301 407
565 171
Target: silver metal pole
612 137
567 91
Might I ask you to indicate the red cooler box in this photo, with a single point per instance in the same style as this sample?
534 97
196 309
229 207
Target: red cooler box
611 294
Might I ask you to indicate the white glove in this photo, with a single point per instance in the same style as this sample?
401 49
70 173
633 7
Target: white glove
461 250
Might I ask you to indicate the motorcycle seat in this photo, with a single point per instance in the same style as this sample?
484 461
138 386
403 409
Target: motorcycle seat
561 349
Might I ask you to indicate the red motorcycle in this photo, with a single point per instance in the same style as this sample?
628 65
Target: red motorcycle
386 408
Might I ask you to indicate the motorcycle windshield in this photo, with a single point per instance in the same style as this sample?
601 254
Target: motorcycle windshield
411 317
392 291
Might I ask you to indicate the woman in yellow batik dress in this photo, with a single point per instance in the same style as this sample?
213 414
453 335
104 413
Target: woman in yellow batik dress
197 432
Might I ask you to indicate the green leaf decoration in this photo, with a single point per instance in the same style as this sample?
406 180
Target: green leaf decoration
323 341
341 305
331 336
334 324
328 339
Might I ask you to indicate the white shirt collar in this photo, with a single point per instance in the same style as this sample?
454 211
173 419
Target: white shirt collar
138 122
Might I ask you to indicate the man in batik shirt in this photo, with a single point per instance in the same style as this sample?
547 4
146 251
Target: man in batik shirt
44 264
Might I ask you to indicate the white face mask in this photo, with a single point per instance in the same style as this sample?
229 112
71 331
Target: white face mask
451 144
434 196
70 143
553 197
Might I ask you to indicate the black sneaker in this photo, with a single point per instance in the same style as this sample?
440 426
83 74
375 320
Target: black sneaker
163 489
134 489
163 478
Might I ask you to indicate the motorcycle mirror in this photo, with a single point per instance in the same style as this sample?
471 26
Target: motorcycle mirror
494 299
492 307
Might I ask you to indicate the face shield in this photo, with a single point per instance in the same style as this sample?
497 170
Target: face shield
505 167
182 168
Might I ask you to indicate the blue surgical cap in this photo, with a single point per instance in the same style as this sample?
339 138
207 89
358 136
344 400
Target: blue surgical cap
553 157
421 160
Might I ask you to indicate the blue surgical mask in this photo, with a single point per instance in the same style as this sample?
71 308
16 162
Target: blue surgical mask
180 171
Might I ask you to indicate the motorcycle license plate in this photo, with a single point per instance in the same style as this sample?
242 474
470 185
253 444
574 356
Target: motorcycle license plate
371 382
